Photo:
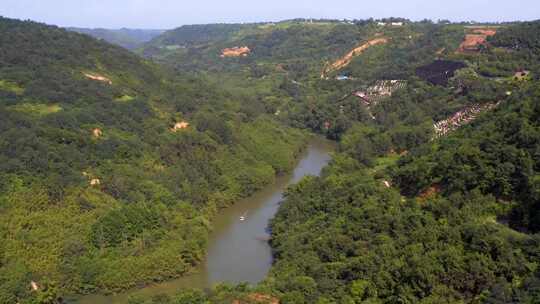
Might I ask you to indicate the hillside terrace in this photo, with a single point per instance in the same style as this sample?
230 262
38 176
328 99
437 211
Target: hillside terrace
380 90
461 118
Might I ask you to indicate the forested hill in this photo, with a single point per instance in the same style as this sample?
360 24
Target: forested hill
430 217
434 194
196 35
447 228
298 46
111 168
128 38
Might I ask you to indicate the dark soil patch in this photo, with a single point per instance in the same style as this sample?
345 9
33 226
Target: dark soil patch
439 72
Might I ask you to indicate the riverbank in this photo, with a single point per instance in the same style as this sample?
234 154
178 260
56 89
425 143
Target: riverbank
237 250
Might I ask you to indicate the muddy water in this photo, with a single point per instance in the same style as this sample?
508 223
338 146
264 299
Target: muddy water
238 250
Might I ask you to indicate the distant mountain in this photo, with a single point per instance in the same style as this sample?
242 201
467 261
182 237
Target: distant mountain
127 38
306 48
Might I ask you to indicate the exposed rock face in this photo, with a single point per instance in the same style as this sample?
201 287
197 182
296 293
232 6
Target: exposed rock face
98 77
237 51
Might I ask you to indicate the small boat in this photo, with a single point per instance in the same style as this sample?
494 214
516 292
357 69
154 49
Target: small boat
243 217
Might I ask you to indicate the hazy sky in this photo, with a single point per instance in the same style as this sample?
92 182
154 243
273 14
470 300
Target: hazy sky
172 13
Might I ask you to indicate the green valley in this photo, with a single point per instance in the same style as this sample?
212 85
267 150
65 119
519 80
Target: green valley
114 164
431 196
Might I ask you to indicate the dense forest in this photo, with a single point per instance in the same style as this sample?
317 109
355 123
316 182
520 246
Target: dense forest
433 195
113 165
450 220
451 230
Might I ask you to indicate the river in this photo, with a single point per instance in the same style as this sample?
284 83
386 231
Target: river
238 249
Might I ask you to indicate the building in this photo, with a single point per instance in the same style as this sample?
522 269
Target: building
521 74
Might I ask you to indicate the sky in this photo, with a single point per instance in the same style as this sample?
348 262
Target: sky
166 14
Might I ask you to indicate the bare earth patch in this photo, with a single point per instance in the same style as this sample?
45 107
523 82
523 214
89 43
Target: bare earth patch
180 126
346 60
475 39
97 133
237 51
98 77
